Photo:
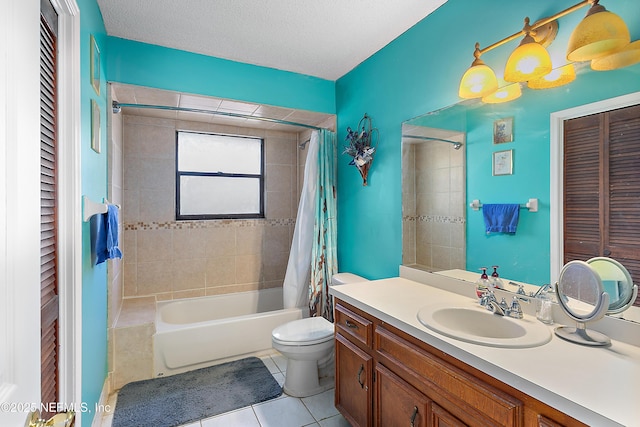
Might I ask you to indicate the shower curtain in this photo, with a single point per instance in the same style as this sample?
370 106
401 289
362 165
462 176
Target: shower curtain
324 258
296 280
313 257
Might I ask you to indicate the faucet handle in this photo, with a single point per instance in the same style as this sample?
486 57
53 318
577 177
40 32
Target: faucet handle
516 309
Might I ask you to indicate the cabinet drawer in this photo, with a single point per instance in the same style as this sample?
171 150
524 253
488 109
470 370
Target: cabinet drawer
353 325
446 384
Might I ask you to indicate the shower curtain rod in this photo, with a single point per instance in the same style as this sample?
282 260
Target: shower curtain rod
117 105
430 138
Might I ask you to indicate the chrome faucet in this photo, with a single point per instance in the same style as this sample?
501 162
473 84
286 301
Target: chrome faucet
488 300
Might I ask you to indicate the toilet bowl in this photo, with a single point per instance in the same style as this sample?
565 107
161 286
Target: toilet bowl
308 344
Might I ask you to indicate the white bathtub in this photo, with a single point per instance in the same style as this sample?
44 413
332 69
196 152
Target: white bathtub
197 332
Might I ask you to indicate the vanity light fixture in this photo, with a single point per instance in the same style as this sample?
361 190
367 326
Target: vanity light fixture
557 77
628 55
601 34
529 60
504 94
479 80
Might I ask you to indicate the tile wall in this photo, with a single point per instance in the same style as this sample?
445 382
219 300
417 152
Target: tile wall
172 259
115 273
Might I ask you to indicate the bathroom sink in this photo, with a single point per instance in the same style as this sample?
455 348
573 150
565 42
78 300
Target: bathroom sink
477 325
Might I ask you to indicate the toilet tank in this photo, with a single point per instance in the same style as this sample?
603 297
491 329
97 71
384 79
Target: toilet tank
344 278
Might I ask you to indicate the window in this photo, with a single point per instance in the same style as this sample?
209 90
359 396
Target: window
219 176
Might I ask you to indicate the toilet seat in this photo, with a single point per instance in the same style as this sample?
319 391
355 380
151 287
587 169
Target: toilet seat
303 332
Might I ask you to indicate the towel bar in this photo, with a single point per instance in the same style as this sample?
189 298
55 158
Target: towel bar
91 208
532 205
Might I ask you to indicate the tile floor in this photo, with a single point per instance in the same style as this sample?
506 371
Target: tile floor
284 411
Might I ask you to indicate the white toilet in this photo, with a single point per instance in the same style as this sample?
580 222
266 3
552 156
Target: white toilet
308 345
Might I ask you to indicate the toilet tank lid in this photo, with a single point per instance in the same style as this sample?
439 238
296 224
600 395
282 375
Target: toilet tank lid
344 278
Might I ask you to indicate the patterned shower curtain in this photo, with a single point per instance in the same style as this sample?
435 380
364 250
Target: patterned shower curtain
324 259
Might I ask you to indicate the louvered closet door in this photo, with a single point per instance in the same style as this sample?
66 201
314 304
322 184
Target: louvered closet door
623 239
48 220
602 187
582 172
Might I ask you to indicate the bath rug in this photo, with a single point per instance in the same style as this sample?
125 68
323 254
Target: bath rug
191 396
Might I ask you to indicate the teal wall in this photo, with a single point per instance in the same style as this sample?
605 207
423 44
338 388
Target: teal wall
419 72
163 68
93 185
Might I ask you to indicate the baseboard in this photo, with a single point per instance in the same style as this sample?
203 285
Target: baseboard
103 409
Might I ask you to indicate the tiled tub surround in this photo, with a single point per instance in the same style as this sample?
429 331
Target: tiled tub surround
172 259
196 258
130 342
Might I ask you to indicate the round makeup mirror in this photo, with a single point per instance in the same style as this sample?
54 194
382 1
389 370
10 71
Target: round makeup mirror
581 295
617 282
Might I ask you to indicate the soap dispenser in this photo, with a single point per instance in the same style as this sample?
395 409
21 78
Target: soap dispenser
496 281
483 283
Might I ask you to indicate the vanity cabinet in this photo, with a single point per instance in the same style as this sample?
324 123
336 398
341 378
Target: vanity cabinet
353 393
385 377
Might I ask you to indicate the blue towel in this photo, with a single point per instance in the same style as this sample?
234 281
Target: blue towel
107 235
501 218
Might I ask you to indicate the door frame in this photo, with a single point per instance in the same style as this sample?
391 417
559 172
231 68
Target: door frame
556 191
69 201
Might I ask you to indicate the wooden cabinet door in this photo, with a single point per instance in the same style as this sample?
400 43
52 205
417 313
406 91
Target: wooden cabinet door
397 402
353 393
441 418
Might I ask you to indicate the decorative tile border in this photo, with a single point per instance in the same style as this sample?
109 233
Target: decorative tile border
442 219
223 223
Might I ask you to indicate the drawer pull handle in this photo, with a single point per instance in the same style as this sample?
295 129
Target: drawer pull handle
414 415
359 375
350 324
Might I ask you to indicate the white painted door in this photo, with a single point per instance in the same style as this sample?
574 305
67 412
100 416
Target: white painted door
19 210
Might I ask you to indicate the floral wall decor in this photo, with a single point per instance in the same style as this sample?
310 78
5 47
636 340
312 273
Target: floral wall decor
361 146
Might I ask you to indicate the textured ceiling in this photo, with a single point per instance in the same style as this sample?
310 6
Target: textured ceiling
322 38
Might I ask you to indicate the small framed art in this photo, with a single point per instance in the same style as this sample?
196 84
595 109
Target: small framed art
503 130
503 162
95 65
95 126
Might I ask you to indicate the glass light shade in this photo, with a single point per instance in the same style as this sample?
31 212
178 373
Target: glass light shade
599 33
529 61
557 77
624 57
479 80
504 94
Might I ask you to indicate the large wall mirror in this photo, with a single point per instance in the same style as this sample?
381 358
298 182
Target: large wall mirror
433 190
448 161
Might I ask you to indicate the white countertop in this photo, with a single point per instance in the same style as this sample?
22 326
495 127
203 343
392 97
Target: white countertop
599 386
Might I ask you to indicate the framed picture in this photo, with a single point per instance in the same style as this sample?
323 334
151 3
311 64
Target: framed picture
503 162
503 130
95 65
95 126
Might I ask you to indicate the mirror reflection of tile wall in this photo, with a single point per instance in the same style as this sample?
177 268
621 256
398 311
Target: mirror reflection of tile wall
433 204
